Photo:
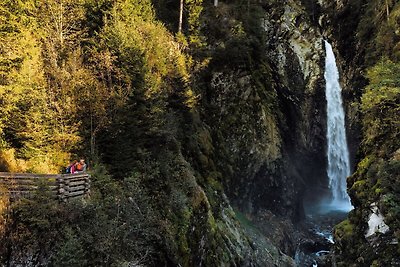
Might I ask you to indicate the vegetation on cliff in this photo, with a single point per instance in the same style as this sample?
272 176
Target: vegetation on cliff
377 176
376 179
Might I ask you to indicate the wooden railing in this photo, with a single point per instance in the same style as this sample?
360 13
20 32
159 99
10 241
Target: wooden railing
61 186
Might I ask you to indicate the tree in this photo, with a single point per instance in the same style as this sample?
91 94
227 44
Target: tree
145 66
25 113
42 43
194 10
387 10
180 15
62 24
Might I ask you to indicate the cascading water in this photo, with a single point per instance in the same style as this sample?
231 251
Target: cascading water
322 216
338 154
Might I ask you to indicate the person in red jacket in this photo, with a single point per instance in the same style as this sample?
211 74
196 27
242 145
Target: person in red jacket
71 167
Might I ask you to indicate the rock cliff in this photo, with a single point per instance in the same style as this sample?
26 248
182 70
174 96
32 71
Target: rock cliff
266 123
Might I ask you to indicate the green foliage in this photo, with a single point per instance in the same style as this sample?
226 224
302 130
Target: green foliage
381 107
378 30
194 9
237 36
31 224
376 179
142 43
148 72
67 67
70 253
116 225
31 120
344 229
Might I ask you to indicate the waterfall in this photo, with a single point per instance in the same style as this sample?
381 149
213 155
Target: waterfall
338 153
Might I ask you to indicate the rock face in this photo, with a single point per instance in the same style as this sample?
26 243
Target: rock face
266 127
250 148
271 138
256 142
272 156
297 51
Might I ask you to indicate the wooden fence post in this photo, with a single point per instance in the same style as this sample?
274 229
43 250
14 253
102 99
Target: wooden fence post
66 187
61 186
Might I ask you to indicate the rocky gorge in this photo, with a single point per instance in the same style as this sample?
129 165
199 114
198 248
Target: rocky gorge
213 149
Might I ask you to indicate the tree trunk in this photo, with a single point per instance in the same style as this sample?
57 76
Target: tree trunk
387 10
180 16
215 2
91 135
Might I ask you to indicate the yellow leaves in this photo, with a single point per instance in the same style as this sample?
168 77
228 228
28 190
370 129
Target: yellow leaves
9 162
25 52
380 104
375 96
49 162
238 30
34 112
191 98
61 22
135 9
151 43
52 89
31 69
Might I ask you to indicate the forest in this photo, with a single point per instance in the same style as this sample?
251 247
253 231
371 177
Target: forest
203 125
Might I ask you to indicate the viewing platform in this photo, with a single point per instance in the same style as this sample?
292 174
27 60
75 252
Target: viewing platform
62 186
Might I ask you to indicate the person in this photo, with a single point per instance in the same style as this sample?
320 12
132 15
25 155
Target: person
71 167
80 166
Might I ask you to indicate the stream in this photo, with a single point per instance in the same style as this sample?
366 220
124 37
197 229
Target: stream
315 250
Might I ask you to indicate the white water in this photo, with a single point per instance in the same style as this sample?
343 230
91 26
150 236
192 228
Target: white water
338 154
